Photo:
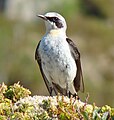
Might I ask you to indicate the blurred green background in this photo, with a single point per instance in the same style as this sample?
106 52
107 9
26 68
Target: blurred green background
90 25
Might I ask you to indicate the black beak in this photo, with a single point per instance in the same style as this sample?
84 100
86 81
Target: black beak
42 16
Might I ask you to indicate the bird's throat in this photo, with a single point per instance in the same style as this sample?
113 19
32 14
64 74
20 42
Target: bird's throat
56 32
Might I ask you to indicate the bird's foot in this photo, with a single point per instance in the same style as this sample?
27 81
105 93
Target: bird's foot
75 95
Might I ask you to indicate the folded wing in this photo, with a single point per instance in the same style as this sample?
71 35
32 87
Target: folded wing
78 80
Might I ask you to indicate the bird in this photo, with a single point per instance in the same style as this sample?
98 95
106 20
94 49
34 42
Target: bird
59 58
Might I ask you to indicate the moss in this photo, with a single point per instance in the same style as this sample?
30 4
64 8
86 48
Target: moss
16 92
2 117
15 103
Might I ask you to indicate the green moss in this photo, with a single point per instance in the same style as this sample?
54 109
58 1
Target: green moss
2 117
16 92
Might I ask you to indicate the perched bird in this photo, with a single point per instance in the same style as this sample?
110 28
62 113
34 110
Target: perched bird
59 58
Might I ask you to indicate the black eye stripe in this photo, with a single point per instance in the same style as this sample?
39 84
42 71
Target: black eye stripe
53 19
56 20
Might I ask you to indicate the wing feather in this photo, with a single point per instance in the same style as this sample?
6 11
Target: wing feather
38 59
78 80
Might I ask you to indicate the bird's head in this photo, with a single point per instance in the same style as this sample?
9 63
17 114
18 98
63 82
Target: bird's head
54 21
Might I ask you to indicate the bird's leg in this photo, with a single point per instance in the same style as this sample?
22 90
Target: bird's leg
67 90
51 90
70 94
75 95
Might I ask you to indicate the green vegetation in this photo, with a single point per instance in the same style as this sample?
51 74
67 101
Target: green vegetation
15 103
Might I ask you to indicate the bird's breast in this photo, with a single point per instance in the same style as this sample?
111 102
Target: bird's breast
57 61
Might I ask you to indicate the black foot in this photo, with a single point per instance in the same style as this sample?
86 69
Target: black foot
76 96
73 95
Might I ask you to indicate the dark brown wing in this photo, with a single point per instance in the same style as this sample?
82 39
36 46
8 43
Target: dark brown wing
37 57
78 81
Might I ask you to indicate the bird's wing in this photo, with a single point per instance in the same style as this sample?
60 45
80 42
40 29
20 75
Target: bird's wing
37 57
78 80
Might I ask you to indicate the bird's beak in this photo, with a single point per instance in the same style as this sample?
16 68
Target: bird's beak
42 16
